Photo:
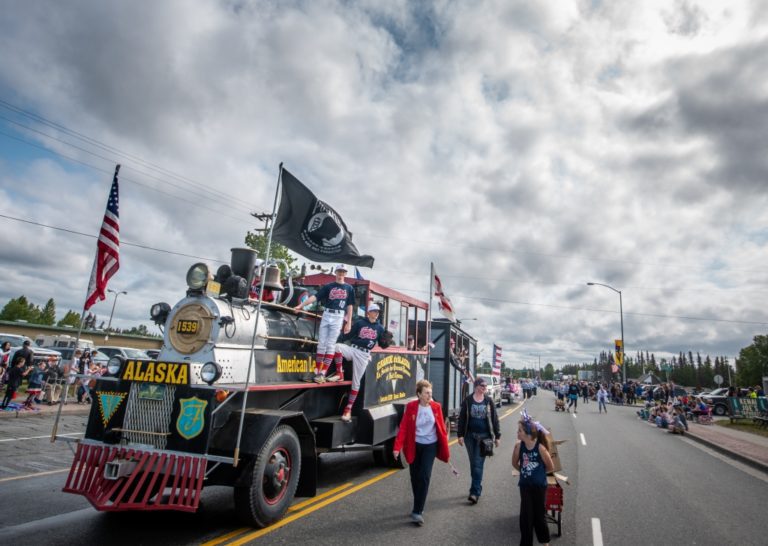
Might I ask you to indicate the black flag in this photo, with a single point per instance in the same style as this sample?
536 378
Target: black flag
312 228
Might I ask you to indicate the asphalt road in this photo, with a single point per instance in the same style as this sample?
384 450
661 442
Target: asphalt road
630 484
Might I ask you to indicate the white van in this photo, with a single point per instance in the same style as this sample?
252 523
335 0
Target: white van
63 341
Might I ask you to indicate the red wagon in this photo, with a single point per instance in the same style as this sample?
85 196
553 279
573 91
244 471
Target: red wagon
554 503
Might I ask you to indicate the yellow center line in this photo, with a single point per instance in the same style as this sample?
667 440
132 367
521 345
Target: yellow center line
34 475
224 538
298 506
285 521
316 503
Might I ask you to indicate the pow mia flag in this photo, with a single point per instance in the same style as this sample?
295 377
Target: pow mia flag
310 227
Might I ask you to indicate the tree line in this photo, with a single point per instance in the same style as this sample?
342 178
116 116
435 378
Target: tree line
21 309
687 369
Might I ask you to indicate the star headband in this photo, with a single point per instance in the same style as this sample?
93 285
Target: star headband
529 423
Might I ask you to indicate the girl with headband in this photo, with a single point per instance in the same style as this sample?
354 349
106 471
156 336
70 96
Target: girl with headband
531 457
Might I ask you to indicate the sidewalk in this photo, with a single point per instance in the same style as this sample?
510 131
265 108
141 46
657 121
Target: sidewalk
750 449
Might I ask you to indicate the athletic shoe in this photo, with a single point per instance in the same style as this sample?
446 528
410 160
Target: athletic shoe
334 378
319 378
417 519
308 377
472 499
346 417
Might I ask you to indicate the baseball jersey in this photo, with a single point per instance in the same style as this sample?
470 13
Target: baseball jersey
336 296
364 334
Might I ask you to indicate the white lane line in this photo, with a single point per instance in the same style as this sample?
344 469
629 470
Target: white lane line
37 475
597 534
38 437
574 415
583 440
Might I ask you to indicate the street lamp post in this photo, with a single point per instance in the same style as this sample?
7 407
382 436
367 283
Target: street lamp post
539 356
621 315
109 325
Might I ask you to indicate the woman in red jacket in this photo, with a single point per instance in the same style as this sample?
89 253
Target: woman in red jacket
421 438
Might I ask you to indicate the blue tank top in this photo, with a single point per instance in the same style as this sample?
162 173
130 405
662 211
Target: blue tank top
532 470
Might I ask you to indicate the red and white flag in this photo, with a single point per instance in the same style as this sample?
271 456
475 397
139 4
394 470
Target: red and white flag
443 302
496 369
107 260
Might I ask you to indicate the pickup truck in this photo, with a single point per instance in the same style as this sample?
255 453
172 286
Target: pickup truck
493 390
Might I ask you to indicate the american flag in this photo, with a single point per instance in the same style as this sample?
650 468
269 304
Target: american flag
443 302
496 370
107 260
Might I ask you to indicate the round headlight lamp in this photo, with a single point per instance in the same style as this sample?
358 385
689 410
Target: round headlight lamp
159 312
197 276
114 365
210 372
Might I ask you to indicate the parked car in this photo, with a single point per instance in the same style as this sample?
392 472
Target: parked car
493 390
718 399
125 352
39 354
153 353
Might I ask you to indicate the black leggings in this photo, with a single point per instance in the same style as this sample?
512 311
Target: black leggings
533 515
9 391
573 402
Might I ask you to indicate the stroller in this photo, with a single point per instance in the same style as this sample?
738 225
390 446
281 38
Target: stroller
560 404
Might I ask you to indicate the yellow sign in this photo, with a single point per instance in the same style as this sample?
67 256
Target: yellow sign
293 365
393 367
148 371
619 356
187 327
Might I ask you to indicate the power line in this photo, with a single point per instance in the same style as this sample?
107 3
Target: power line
103 146
216 196
122 242
495 300
592 310
219 214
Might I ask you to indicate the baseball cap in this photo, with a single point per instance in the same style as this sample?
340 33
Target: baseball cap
373 307
480 382
340 267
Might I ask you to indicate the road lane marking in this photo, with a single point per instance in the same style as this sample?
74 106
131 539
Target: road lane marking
36 475
574 415
298 513
597 534
293 508
583 440
313 500
38 437
285 521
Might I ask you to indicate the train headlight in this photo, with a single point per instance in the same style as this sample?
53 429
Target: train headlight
159 313
115 365
210 372
197 276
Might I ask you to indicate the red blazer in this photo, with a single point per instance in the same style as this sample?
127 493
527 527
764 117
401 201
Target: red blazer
406 435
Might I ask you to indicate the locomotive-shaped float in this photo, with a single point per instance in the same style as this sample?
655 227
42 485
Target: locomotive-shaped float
225 404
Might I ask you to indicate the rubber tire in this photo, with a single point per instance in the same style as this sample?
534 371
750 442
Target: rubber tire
719 410
559 524
251 504
386 459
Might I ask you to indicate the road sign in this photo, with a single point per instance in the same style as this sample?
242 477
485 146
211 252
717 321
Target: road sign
718 379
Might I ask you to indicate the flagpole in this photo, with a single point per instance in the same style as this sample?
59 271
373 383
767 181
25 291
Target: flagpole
258 314
79 331
429 317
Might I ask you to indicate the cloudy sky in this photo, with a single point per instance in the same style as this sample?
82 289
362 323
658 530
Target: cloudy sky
526 148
